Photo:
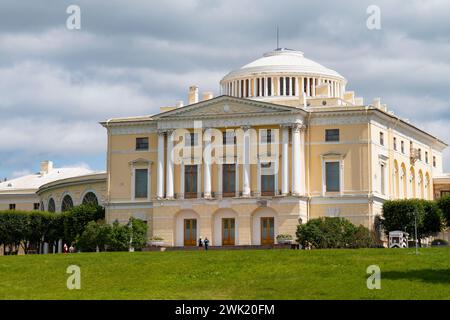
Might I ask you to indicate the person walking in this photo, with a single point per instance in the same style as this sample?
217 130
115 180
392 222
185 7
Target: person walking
206 243
200 242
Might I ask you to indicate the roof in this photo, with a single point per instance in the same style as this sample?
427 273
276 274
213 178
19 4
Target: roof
34 181
283 61
76 180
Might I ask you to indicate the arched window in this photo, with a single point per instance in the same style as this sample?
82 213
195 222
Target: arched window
41 206
67 203
51 205
90 199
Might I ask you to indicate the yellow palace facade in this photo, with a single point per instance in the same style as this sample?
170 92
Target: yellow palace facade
283 143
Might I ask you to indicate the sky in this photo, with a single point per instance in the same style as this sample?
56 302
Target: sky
132 57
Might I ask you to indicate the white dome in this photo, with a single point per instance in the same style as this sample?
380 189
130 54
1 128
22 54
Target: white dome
284 61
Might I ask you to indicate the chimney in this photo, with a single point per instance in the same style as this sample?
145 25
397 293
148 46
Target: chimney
46 167
377 103
207 95
179 104
193 94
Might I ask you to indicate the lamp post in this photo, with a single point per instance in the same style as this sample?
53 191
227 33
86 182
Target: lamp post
415 231
130 248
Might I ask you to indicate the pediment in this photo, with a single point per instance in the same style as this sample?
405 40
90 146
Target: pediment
226 106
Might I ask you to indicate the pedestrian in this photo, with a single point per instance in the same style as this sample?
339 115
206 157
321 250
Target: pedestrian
66 249
71 249
206 242
200 242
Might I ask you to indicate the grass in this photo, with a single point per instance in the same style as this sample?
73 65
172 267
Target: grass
234 274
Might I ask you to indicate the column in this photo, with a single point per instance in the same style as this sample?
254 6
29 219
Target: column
302 170
313 87
284 86
308 87
160 173
297 90
284 161
207 164
246 192
170 167
296 141
265 86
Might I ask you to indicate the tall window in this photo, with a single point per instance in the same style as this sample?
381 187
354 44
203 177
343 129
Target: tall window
434 161
267 180
281 86
229 180
382 178
395 144
51 205
67 203
228 137
12 206
36 206
190 181
426 157
141 143
267 136
191 139
382 138
331 135
420 154
332 176
141 183
90 199
402 144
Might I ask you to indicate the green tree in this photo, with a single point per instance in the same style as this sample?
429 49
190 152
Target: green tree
77 218
96 235
444 205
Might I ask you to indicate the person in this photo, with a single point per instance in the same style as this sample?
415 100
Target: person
66 249
206 242
200 242
71 249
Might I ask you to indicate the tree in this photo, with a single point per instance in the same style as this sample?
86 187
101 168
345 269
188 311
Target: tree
404 214
139 232
444 205
77 218
120 237
96 235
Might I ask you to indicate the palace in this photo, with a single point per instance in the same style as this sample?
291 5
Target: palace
283 143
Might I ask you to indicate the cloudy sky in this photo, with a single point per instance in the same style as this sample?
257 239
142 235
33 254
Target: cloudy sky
131 57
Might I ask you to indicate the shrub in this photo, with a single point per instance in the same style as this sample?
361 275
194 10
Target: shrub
96 235
284 237
76 219
439 242
444 205
327 232
121 234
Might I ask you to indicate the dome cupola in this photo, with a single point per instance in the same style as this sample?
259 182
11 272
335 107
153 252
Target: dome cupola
283 74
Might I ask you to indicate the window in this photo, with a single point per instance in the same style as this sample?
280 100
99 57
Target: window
266 136
141 143
426 157
229 137
395 144
434 162
141 183
267 180
382 178
331 135
382 138
420 154
402 144
229 180
90 199
190 181
332 176
12 206
36 206
191 139
67 203
51 205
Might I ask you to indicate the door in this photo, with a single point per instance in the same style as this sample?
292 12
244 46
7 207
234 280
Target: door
228 231
190 232
267 230
190 181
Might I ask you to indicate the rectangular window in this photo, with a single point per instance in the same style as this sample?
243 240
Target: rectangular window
382 138
403 146
332 176
266 136
12 206
267 180
191 139
229 180
141 183
141 143
434 162
420 154
382 178
426 157
229 137
35 206
331 135
395 144
190 181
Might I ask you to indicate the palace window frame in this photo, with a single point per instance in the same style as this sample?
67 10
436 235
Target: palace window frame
327 158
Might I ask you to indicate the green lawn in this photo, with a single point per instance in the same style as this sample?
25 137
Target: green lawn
236 274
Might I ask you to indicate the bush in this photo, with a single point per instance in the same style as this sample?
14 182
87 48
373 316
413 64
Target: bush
444 205
400 215
439 242
76 219
327 232
96 235
135 230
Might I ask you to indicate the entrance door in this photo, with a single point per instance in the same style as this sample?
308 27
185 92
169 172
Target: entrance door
228 231
267 230
190 232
